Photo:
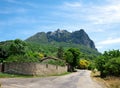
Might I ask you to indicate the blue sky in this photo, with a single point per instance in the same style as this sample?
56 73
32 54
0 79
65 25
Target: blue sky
100 19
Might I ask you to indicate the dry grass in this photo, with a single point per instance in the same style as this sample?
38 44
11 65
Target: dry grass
96 77
114 82
110 82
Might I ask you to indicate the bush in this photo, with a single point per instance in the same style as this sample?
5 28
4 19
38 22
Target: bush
84 64
112 67
22 58
100 64
91 66
109 63
55 62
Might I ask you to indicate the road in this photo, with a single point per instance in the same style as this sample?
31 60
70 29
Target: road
80 79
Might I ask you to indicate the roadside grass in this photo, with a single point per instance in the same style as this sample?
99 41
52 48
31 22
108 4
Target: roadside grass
110 82
5 75
95 74
66 73
114 82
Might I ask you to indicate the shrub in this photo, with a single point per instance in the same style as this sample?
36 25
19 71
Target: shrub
22 58
40 55
91 66
109 63
55 62
112 67
100 64
84 64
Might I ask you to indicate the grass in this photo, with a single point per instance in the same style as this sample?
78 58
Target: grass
66 73
95 74
114 82
110 82
5 75
96 77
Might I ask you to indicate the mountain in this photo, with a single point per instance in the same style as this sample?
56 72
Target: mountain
79 37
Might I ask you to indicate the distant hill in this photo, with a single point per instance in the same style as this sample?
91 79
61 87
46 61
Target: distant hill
49 42
79 37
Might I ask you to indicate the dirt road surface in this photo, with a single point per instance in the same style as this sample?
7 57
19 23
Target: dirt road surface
80 79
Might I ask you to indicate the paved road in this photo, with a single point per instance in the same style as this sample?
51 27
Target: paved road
80 79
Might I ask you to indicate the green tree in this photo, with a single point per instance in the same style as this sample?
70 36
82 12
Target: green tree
4 50
108 63
72 57
3 54
100 64
17 47
21 58
111 54
112 67
60 52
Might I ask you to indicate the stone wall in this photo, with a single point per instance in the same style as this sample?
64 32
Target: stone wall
34 69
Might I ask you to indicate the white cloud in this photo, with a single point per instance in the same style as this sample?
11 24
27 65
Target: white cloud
11 10
99 47
109 41
96 30
34 5
17 21
72 5
108 13
20 20
108 44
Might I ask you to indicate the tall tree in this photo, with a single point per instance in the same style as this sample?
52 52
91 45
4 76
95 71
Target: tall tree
17 47
72 57
4 50
60 52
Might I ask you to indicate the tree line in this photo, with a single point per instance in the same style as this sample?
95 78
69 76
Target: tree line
17 50
109 63
20 51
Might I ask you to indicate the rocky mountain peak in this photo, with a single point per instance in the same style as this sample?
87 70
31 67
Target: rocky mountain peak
77 37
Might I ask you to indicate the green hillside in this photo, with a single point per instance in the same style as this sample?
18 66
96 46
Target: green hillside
52 48
50 42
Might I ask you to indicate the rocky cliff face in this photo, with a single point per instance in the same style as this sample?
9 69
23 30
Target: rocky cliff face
77 37
81 37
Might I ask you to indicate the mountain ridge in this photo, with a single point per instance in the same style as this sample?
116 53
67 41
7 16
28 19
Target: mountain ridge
76 37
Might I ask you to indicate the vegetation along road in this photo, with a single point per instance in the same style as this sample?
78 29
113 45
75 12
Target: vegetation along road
80 79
